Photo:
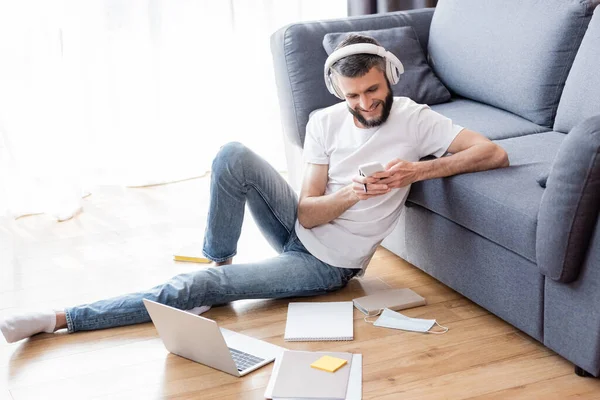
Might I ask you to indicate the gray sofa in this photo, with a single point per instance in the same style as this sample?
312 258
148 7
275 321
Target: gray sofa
524 241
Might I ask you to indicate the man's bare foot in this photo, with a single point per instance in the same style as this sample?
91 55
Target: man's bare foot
229 261
61 320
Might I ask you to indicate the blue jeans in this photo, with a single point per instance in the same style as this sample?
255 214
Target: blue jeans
239 177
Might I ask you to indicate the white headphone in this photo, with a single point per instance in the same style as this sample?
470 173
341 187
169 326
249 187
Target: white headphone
393 66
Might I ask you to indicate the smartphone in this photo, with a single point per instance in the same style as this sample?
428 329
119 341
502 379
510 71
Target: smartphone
369 169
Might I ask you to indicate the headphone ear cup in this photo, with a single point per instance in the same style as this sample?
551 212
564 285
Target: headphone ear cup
392 72
337 90
333 88
329 83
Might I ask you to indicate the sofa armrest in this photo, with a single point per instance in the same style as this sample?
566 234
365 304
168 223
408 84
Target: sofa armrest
571 316
570 204
299 57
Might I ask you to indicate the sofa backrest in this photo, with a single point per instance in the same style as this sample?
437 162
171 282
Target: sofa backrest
581 96
512 54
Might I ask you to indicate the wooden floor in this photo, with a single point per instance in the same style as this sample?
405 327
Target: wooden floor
124 241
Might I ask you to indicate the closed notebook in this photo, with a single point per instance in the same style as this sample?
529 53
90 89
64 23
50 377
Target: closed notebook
353 390
191 253
394 299
297 380
317 321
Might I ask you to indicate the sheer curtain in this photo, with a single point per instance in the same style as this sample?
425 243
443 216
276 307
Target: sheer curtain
133 93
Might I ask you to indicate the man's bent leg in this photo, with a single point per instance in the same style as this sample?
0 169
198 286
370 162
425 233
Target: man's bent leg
292 273
239 175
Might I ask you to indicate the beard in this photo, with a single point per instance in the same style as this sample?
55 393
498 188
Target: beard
385 112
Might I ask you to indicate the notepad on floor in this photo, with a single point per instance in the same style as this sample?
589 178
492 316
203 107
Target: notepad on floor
394 299
318 321
353 379
191 253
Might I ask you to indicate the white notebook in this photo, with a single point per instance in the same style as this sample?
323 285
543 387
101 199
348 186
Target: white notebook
310 322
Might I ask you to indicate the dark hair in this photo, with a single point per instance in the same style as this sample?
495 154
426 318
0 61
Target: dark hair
358 65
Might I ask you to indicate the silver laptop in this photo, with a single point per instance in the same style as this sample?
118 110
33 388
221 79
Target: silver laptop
201 340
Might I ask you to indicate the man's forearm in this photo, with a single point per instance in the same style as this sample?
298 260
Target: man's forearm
479 157
318 210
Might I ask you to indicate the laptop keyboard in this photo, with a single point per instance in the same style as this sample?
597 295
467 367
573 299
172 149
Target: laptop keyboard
243 360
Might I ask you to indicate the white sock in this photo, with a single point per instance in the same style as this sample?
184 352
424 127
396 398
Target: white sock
198 310
21 326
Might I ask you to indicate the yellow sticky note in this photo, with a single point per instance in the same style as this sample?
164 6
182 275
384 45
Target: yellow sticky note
329 364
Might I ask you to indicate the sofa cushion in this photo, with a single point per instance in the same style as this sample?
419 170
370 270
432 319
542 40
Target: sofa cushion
500 205
511 54
579 100
418 81
487 120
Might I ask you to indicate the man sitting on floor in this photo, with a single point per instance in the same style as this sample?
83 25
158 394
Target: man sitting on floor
327 236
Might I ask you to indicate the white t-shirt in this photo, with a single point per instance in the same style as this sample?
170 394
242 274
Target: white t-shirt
411 132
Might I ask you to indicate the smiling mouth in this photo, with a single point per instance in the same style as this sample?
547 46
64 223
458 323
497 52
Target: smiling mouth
371 109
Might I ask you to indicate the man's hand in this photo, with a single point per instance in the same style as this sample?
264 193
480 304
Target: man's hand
374 187
398 173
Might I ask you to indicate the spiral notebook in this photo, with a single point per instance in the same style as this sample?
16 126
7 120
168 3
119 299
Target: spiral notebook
312 322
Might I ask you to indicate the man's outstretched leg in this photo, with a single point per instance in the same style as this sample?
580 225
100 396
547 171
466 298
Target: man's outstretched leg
295 272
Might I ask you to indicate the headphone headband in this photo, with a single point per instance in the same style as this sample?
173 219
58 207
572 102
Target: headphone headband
393 66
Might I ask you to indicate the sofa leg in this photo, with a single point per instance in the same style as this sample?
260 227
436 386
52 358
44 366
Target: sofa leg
582 372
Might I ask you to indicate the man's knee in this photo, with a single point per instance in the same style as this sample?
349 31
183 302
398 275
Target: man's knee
230 154
176 292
